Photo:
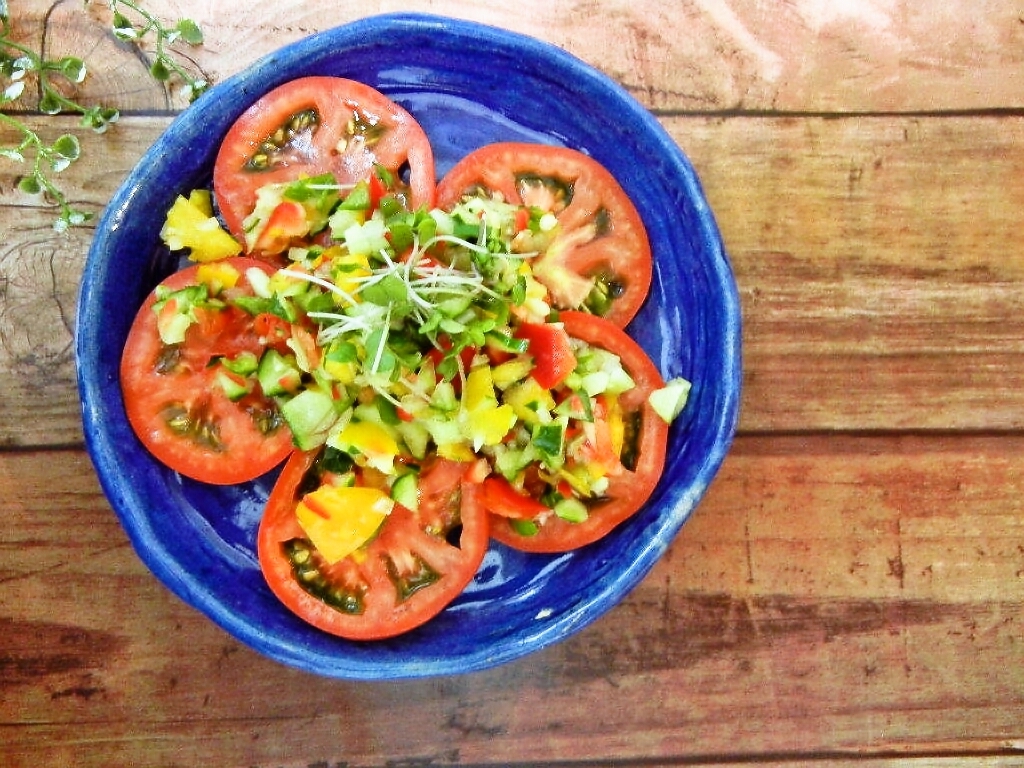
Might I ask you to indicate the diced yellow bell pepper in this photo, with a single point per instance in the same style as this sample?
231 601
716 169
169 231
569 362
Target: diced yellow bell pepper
489 424
485 422
190 224
616 424
479 389
531 402
344 373
202 199
349 270
370 440
217 277
339 520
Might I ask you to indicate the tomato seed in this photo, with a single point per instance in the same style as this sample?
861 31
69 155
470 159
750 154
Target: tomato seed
306 567
274 147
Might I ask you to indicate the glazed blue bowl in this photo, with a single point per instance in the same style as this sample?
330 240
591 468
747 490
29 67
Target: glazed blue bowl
468 85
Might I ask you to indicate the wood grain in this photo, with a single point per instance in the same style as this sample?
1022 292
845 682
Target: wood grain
693 55
851 590
806 607
880 289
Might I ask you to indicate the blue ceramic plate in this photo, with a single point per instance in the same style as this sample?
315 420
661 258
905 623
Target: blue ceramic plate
468 85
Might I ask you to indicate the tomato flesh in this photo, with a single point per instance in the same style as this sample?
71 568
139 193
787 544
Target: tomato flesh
315 125
600 260
418 562
639 467
175 404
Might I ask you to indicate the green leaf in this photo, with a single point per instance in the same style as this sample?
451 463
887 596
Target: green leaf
12 154
72 68
50 103
159 71
13 91
389 290
378 358
99 118
67 146
30 185
196 89
123 27
190 32
24 64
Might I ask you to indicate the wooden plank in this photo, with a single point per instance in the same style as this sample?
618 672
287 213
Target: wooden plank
808 608
695 56
880 289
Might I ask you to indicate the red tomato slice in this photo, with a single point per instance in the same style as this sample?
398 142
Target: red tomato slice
175 404
314 125
601 259
414 567
628 490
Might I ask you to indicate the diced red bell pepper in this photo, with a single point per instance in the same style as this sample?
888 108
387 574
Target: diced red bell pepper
553 358
501 498
287 222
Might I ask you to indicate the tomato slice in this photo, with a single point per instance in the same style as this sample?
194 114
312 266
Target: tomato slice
643 461
178 397
600 259
315 125
417 563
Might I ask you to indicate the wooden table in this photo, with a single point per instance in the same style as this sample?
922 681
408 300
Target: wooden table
851 590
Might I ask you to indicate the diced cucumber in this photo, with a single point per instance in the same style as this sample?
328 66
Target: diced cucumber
244 364
232 388
571 510
405 490
669 401
415 436
444 397
310 415
524 527
277 374
509 461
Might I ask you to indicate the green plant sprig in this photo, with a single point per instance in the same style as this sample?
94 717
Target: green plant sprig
146 25
18 62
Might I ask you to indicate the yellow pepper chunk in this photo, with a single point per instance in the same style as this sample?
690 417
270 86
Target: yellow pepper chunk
190 224
217 276
531 402
350 270
370 440
479 389
616 425
485 422
340 520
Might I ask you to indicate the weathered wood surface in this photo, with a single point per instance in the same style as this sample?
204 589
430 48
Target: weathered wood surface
868 303
852 588
832 595
686 55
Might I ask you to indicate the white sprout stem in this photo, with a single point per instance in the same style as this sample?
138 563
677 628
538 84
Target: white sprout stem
322 282
383 342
